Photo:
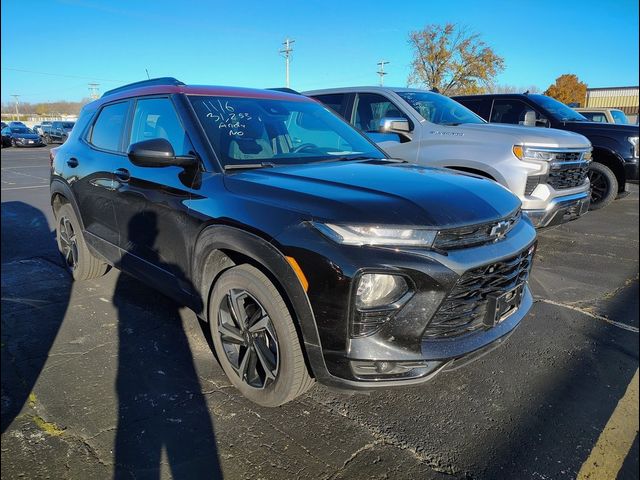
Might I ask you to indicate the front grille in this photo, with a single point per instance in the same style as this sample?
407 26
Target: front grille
465 307
568 156
561 176
473 235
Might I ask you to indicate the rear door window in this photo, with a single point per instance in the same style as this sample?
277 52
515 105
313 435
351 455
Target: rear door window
335 101
107 130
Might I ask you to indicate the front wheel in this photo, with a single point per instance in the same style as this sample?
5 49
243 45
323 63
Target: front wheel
255 338
604 185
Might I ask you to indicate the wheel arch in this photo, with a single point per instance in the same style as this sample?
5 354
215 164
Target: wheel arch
612 160
220 247
473 171
60 194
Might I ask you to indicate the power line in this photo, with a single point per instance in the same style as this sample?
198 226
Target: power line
62 75
381 72
287 55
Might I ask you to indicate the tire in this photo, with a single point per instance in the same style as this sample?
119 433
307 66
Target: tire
77 258
604 185
268 325
47 139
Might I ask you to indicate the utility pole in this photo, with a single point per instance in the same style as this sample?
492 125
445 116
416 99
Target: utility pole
287 55
381 72
93 91
16 97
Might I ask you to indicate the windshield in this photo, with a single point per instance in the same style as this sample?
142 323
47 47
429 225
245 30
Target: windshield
439 109
246 131
67 125
20 130
559 110
619 117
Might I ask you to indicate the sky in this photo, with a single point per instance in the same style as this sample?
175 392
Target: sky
51 49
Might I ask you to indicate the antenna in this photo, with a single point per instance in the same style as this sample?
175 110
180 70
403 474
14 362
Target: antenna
147 72
381 72
287 55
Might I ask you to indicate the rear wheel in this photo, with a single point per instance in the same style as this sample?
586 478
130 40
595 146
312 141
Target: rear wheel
255 339
604 185
77 258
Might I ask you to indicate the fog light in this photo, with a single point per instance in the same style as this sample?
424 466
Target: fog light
377 289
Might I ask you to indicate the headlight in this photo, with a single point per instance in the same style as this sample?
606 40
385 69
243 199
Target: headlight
523 152
377 235
587 156
634 141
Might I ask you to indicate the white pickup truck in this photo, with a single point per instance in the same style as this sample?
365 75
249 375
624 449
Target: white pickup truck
545 168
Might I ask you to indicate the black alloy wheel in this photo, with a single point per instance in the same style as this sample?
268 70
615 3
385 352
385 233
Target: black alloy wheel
604 185
248 338
68 243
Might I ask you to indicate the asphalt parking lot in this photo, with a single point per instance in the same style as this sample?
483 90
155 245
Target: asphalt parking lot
109 378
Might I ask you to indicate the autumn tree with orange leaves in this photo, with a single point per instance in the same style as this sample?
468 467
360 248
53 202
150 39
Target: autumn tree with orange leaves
568 89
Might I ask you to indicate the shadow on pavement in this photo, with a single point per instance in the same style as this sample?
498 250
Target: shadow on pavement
30 324
161 407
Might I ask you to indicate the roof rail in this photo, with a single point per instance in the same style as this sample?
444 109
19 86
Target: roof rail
285 90
144 83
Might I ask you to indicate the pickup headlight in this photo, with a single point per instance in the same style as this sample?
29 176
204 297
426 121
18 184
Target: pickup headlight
634 141
377 235
532 153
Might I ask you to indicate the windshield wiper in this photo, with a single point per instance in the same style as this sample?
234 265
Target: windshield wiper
243 166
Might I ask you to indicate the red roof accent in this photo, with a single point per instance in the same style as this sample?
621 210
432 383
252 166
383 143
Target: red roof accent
202 90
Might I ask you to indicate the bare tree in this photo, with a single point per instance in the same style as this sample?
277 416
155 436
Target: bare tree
452 60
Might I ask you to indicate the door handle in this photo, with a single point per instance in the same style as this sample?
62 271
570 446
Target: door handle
122 174
73 162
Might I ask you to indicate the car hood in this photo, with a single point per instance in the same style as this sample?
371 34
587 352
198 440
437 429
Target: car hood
377 192
519 134
604 128
27 136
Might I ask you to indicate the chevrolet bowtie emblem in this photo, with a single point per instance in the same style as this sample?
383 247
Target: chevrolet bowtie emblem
500 229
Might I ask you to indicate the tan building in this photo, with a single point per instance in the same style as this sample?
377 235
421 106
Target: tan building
622 98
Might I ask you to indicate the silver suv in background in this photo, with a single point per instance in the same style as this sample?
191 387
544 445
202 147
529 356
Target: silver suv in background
547 169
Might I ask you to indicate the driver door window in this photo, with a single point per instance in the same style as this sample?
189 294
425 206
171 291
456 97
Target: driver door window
370 108
156 118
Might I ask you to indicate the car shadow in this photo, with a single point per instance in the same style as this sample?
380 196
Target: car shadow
35 296
162 412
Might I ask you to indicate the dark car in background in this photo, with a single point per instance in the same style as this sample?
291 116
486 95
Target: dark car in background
17 136
615 147
321 259
57 132
39 129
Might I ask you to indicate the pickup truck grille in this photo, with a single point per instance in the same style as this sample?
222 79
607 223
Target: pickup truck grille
464 309
568 176
473 235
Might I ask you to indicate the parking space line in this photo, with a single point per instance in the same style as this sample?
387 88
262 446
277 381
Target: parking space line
22 188
24 166
615 441
624 326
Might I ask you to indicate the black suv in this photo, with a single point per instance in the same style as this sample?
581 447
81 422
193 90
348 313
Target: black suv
57 131
615 147
309 252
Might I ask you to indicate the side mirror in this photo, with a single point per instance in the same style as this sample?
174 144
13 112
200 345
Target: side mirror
529 118
393 125
158 152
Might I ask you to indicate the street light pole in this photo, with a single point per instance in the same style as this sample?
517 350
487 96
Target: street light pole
16 97
287 54
381 72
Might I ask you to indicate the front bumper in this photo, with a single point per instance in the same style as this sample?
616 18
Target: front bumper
631 169
343 362
560 210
